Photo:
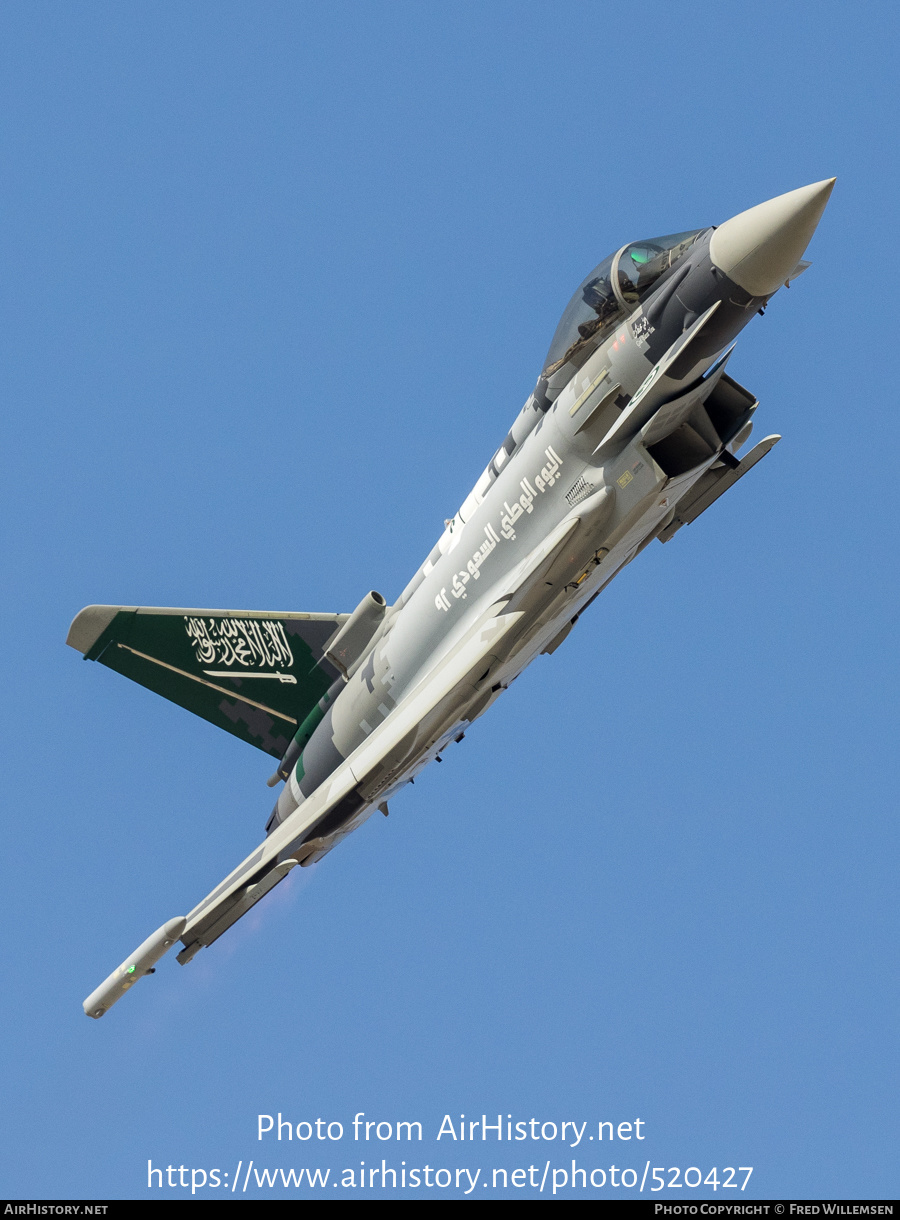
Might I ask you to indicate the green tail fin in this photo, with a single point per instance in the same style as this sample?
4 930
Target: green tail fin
256 675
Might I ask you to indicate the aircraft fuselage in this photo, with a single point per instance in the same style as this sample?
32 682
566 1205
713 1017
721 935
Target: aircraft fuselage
581 458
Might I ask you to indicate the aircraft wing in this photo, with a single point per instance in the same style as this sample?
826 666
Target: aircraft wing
379 762
354 784
371 769
254 674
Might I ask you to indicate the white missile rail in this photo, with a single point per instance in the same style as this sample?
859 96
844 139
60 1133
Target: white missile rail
141 962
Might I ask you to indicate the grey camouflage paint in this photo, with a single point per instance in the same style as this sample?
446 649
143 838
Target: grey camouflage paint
550 469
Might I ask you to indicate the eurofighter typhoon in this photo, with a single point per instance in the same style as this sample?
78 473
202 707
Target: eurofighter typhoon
631 432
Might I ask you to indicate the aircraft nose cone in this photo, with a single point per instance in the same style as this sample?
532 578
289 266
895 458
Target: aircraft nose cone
758 249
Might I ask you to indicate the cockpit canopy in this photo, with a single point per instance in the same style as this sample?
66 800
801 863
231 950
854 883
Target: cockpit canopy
610 293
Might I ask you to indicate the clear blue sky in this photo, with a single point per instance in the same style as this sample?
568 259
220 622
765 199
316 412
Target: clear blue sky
277 277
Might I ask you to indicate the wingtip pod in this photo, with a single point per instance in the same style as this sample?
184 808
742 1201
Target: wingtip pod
140 962
760 248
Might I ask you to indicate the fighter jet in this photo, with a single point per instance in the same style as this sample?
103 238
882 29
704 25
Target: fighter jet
631 432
